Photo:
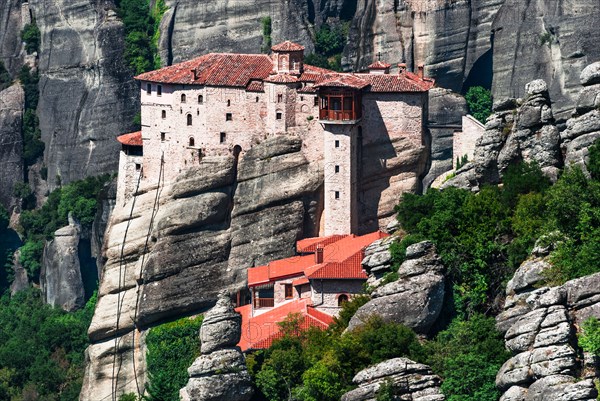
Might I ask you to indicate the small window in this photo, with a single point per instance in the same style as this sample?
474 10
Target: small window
228 117
337 144
149 89
163 114
279 98
223 137
316 102
278 116
256 99
228 102
162 136
138 167
197 112
158 90
192 142
200 99
337 194
301 98
342 299
337 169
189 119
183 98
289 291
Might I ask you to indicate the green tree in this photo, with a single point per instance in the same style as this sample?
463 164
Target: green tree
479 101
589 338
172 347
266 33
31 36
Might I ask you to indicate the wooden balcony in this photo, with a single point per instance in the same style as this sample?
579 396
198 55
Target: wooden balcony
339 106
338 115
264 303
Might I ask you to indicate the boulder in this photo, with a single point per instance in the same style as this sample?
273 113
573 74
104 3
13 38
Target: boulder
410 381
590 74
21 280
219 373
415 299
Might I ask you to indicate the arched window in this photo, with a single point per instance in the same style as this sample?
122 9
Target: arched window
183 98
163 114
342 299
192 142
189 119
200 99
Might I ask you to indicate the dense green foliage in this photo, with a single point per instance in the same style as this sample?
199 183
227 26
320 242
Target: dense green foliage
267 29
329 44
41 348
172 347
317 365
467 355
33 147
5 79
475 233
31 36
78 197
479 101
141 33
589 339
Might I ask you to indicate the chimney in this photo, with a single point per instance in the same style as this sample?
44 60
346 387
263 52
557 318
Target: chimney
194 74
421 72
319 255
401 68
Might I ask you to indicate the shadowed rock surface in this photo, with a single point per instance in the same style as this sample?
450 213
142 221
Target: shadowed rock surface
12 103
411 381
60 276
219 374
415 299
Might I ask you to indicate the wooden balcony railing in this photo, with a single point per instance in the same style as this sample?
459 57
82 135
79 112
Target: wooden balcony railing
338 115
264 302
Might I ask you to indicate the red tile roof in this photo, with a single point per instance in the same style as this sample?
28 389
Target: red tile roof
379 65
310 244
216 69
248 70
131 139
281 78
260 331
341 260
287 46
255 86
300 281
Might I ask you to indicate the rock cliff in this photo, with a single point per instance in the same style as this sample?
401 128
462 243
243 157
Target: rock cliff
416 298
171 249
12 101
540 325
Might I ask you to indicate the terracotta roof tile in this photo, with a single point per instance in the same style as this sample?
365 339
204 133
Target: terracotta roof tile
281 78
131 139
379 65
310 244
342 80
287 46
255 86
300 281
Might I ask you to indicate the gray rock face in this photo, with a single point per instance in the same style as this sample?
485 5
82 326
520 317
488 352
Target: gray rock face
554 40
192 254
411 381
525 134
12 103
81 54
219 374
415 299
540 326
107 200
21 281
590 74
60 277
10 42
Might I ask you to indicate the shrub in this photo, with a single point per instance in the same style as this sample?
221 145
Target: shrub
31 257
467 355
479 101
31 36
266 33
341 321
589 339
172 347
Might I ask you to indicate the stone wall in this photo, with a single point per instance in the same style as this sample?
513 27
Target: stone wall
325 293
465 140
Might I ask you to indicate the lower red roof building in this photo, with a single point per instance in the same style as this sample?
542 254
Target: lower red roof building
313 285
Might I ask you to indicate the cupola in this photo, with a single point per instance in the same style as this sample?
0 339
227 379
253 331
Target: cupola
287 57
379 67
